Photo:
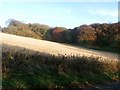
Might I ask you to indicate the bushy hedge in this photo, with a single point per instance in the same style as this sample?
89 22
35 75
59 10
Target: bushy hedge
21 70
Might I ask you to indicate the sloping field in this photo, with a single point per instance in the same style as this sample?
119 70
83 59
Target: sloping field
50 47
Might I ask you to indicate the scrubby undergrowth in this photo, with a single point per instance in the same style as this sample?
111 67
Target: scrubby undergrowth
22 70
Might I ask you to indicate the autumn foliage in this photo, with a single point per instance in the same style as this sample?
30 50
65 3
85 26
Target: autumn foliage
105 35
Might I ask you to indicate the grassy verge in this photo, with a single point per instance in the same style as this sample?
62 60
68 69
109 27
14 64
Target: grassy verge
106 49
41 70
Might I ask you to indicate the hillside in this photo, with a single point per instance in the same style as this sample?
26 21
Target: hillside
103 36
13 41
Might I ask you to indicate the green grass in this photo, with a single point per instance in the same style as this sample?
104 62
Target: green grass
106 49
41 70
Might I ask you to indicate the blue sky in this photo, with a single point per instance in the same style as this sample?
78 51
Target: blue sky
65 14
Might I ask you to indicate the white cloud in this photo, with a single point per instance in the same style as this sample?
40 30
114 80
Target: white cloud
105 13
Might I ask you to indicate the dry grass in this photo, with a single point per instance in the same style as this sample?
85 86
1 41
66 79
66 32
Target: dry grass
23 70
52 47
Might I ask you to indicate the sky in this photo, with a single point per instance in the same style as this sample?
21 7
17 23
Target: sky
63 14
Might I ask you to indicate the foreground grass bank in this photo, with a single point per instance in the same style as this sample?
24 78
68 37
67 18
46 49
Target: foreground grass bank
41 70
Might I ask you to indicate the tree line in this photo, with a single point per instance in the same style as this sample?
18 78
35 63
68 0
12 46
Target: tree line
104 36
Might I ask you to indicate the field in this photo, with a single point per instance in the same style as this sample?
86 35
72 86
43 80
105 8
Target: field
52 47
60 45
32 63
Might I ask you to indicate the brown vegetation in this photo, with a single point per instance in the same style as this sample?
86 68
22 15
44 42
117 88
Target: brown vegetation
100 36
43 70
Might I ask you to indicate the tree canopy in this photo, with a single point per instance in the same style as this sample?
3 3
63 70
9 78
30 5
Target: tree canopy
100 35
